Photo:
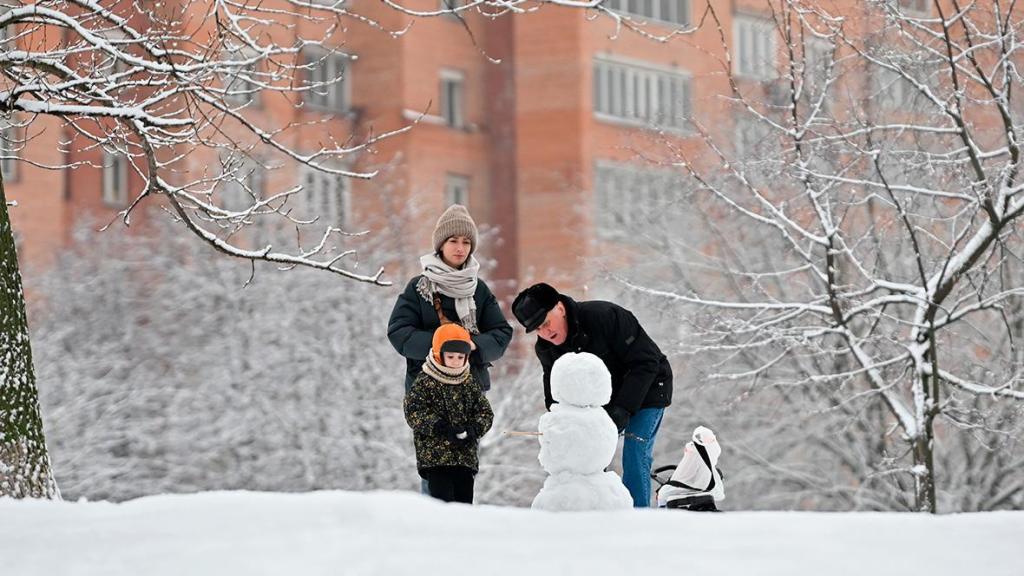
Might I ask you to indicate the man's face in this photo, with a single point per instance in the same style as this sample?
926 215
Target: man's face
555 328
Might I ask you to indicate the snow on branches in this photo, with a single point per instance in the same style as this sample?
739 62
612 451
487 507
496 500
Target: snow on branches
172 87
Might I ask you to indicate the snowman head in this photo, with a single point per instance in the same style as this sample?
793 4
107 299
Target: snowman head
581 380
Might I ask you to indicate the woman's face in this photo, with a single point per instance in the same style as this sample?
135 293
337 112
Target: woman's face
455 251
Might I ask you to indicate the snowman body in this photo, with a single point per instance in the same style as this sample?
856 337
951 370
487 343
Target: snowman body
578 440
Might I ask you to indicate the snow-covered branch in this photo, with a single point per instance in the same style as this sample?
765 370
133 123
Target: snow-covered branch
165 92
861 237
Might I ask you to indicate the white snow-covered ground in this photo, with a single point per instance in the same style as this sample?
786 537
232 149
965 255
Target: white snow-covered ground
399 533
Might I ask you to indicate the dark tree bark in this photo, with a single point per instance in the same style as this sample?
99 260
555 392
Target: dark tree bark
24 463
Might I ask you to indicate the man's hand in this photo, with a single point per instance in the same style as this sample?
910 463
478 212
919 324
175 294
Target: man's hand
619 415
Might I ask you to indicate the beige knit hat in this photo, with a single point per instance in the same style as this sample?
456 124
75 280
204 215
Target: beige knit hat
455 221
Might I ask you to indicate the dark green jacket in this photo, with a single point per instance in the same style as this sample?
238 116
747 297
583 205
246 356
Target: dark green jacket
464 406
413 321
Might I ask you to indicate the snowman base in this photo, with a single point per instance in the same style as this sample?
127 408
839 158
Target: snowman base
567 492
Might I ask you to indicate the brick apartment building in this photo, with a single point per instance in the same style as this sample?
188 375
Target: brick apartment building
535 145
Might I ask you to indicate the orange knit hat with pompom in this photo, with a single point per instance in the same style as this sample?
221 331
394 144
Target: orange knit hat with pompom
455 336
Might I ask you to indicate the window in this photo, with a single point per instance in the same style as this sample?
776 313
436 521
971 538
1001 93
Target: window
327 81
452 5
751 138
628 197
817 59
753 47
5 31
108 65
671 11
456 190
915 7
244 186
890 89
641 95
817 56
452 84
326 197
11 142
240 88
115 179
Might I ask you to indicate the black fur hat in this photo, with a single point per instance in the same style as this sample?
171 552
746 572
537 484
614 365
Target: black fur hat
532 305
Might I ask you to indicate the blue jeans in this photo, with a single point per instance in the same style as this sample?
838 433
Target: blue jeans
638 454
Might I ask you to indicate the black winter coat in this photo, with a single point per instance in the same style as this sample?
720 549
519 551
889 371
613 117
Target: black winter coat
413 321
641 375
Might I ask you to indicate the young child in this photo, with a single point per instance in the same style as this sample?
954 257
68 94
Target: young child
448 414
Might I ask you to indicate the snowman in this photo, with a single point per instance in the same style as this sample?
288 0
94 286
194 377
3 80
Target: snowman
578 440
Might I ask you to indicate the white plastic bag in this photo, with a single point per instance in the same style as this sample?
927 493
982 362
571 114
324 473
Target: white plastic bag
693 476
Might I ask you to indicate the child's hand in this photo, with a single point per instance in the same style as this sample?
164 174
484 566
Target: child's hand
444 430
470 434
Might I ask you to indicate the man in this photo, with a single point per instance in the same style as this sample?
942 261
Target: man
641 375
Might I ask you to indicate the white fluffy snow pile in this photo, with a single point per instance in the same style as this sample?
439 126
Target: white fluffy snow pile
396 534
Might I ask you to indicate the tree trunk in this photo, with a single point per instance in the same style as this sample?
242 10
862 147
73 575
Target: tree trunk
924 467
24 463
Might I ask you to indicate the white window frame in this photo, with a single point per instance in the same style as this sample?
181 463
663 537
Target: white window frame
246 92
754 53
11 142
324 193
747 131
453 98
915 7
890 89
641 94
673 12
248 183
449 5
115 179
817 53
329 81
5 33
625 194
456 189
109 66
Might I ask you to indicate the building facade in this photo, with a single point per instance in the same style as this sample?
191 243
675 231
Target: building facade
542 123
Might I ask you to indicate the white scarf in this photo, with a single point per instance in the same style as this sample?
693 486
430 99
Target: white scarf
457 283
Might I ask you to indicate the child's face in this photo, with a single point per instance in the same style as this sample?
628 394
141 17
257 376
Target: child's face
454 359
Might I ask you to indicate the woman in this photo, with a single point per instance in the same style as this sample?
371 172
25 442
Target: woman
449 290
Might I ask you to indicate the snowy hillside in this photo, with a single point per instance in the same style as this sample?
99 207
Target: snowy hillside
399 533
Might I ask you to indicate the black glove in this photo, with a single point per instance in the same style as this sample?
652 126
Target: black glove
444 429
619 415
